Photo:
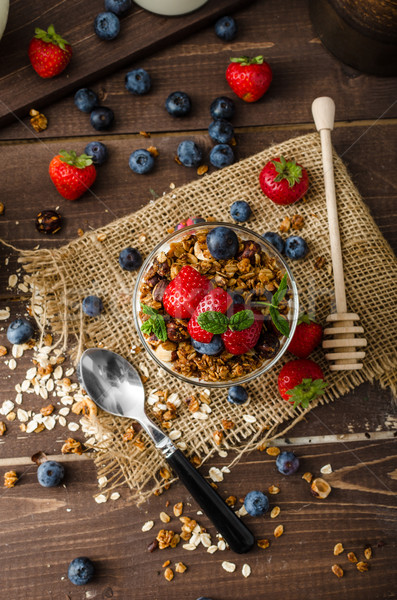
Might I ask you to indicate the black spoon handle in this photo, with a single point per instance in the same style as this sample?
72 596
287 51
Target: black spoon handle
232 529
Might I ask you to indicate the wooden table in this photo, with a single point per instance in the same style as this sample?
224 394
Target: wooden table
43 529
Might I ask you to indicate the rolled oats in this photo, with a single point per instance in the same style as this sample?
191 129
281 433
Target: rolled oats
278 531
275 512
307 477
246 570
273 451
263 543
362 566
352 557
180 567
368 553
337 570
338 549
273 489
10 479
216 474
178 509
212 549
228 566
164 518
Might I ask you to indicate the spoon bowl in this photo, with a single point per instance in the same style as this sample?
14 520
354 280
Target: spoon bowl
116 387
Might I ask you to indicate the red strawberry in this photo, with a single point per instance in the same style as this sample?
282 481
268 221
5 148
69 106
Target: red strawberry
72 175
49 53
217 301
183 293
249 78
306 338
239 342
300 381
283 182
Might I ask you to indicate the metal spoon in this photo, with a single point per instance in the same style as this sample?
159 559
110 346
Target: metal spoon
115 386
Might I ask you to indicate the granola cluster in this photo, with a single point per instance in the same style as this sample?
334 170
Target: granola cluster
252 273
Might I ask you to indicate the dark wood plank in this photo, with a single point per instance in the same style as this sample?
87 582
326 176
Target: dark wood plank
141 33
43 529
303 69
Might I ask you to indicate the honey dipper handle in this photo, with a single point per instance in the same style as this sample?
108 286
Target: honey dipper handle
323 110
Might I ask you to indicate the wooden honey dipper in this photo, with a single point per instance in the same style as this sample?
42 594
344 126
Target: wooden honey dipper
343 345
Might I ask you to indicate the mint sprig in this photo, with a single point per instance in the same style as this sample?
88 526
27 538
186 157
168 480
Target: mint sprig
217 322
279 321
155 324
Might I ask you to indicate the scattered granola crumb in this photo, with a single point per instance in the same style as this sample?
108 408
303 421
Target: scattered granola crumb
164 518
368 552
218 437
3 351
352 557
38 121
326 469
178 509
285 225
279 531
202 169
264 543
169 574
362 566
307 477
164 538
72 446
297 222
80 232
47 410
320 488
231 500
319 262
273 489
101 237
337 570
275 512
166 563
153 151
338 549
10 479
273 451
144 134
180 567
2 208
3 428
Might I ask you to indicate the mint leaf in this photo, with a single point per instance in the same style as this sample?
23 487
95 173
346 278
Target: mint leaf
212 321
148 326
281 291
280 322
148 310
159 328
241 320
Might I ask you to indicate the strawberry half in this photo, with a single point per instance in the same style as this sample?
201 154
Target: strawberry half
72 175
49 53
249 78
283 182
184 292
301 381
217 301
308 335
239 342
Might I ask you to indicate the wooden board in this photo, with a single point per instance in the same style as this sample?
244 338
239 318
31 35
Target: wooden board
141 33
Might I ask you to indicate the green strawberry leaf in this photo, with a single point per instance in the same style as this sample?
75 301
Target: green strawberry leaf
281 291
306 318
246 60
212 321
288 170
72 159
241 320
148 310
280 322
307 390
50 36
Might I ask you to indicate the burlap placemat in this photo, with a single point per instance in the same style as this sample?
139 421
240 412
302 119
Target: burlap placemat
90 265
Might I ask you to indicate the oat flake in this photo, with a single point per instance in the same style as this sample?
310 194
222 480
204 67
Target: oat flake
212 549
7 407
31 426
114 496
249 418
12 364
246 570
215 474
12 280
73 426
62 421
101 498
189 547
326 469
147 526
49 422
25 385
228 566
64 411
175 434
22 415
17 350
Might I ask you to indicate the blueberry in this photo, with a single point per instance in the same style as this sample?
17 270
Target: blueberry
221 156
221 131
141 161
101 118
50 473
287 463
19 331
215 346
222 108
130 259
98 152
178 104
81 570
237 298
222 243
138 82
118 7
92 306
189 154
240 211
295 247
256 503
107 26
226 28
237 394
275 240
86 100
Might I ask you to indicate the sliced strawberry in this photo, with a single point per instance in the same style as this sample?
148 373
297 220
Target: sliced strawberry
183 293
301 381
217 301
239 342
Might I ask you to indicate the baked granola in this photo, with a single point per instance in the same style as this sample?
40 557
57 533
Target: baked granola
252 273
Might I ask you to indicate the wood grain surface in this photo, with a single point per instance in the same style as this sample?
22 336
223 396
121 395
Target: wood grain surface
43 529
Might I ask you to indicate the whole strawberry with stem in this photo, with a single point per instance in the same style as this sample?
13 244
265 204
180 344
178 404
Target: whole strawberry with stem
284 182
184 292
308 335
49 53
249 78
72 175
301 381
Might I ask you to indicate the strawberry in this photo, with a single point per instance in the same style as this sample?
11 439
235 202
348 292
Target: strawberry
72 175
49 53
283 182
249 78
308 335
184 292
300 381
241 341
217 301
